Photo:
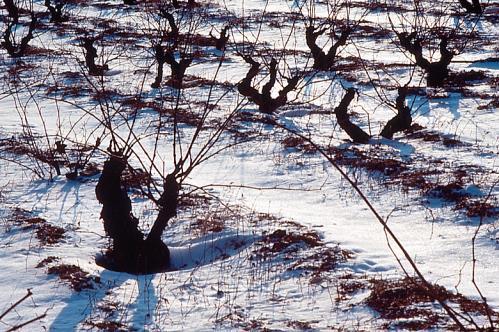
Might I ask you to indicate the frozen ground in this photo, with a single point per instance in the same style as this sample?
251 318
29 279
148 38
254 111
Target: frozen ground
268 234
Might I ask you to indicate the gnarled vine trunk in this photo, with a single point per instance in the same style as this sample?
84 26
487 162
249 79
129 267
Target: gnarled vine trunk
436 72
472 7
402 120
12 10
266 103
221 42
130 251
56 14
17 50
323 61
355 132
90 55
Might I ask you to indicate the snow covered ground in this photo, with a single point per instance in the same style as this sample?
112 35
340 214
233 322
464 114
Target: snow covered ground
268 235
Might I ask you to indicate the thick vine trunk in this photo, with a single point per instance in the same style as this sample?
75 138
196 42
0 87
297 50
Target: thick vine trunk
178 69
221 42
266 103
436 72
56 14
159 55
90 55
130 252
355 132
473 8
18 50
402 120
12 10
323 61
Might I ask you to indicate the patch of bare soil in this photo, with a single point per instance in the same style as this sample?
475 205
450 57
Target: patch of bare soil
379 6
253 117
292 246
109 326
205 214
452 190
300 325
300 250
322 261
77 279
239 320
190 117
47 261
466 78
348 285
17 69
135 178
450 187
407 304
419 132
478 208
89 170
26 146
298 143
46 233
209 224
287 241
191 81
57 157
68 90
49 235
354 157
493 104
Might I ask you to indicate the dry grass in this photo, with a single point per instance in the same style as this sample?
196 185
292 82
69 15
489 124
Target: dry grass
255 118
77 279
478 208
47 261
348 285
433 181
406 304
298 143
26 146
318 264
46 233
466 78
284 240
135 178
353 157
108 326
301 250
300 325
49 235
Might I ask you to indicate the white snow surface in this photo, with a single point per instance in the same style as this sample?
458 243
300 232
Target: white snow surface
215 282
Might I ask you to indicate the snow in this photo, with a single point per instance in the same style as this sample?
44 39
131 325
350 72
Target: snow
215 280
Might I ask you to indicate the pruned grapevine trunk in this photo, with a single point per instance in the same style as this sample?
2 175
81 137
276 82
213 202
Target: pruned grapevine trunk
436 72
323 61
14 49
12 10
266 103
355 132
130 252
56 13
221 42
403 120
90 55
472 7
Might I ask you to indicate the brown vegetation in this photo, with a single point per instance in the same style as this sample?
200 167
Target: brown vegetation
74 275
406 304
46 233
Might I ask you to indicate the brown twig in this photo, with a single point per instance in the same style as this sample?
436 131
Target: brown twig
16 304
